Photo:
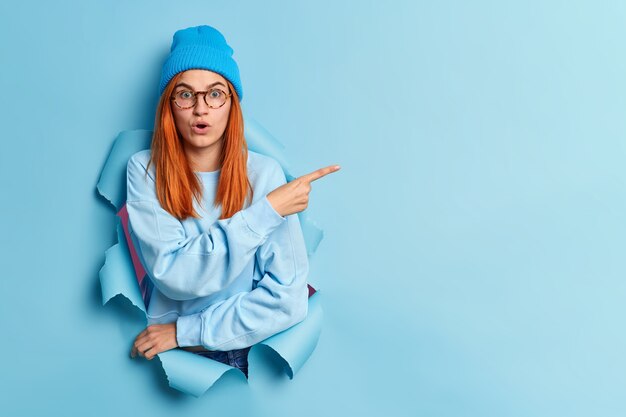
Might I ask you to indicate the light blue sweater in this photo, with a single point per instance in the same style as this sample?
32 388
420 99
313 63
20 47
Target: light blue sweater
228 284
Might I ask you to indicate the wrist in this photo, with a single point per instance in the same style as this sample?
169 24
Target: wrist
274 204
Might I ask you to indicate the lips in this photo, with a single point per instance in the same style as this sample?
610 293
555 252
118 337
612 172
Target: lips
200 127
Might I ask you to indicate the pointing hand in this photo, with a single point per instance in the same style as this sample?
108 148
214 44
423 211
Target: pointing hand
293 197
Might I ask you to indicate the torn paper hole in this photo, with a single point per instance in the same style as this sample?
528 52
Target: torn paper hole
123 274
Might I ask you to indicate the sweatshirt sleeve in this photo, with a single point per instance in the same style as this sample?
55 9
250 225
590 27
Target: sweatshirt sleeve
185 267
279 301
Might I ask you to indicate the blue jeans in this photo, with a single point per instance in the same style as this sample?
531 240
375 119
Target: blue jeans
237 358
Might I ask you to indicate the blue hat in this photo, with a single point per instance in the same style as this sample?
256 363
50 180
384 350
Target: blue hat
201 47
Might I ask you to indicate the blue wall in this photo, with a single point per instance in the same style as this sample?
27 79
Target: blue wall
473 261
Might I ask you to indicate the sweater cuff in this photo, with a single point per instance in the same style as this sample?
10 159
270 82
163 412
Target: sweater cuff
261 217
189 330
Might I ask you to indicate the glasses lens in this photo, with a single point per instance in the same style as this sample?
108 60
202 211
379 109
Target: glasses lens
185 98
215 98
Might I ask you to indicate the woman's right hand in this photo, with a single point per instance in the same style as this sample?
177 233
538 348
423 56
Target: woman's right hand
293 197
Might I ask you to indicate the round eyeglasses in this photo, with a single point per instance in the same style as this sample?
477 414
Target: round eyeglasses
186 99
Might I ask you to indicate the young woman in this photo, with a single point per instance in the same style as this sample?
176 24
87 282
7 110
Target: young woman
213 223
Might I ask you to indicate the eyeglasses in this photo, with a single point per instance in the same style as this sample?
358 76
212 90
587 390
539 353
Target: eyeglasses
186 99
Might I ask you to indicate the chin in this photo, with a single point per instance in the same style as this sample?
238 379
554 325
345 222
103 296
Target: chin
202 141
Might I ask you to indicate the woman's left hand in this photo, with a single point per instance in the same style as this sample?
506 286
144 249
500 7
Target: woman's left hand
155 339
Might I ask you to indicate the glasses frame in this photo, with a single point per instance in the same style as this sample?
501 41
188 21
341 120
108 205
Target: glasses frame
195 98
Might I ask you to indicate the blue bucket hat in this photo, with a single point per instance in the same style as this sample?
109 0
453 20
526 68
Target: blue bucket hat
201 47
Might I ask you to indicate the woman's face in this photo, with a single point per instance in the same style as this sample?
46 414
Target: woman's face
201 126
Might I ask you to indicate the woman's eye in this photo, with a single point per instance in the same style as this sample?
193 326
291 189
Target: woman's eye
185 95
215 94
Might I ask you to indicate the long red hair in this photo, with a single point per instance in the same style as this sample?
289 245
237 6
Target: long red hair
176 183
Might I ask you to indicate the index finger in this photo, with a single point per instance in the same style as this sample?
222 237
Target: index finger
316 175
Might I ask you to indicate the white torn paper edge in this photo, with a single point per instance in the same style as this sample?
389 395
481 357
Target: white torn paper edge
122 273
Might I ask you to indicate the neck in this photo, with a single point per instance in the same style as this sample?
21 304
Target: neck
204 159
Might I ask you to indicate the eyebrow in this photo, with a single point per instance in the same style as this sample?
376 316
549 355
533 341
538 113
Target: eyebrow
191 88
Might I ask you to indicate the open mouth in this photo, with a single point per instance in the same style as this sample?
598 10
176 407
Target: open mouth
200 128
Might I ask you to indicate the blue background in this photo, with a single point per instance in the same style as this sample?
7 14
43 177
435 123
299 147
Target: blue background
473 261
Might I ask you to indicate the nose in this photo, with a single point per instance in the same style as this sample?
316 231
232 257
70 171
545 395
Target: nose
201 107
